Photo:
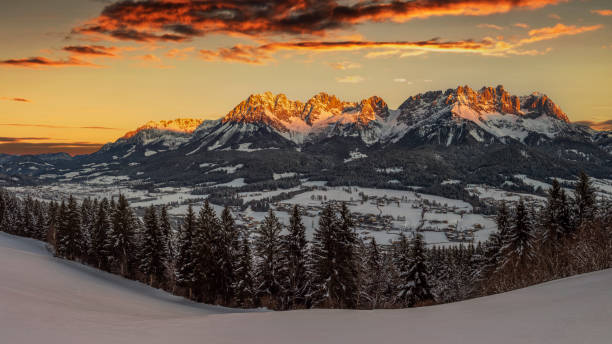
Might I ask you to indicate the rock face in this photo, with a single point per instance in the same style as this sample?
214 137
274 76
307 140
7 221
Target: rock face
179 125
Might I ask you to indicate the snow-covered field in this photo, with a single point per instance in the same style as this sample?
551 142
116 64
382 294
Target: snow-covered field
46 300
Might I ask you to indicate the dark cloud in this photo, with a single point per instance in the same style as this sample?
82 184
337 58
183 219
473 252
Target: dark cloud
96 50
178 20
51 126
21 100
25 148
38 62
20 139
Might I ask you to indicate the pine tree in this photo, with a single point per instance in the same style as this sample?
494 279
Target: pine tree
124 228
152 250
167 234
324 249
101 246
185 258
296 254
415 288
40 221
244 282
346 258
206 241
227 255
268 249
518 246
374 274
585 200
556 216
69 236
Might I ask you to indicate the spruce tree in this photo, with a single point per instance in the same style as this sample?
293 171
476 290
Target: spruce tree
167 234
152 250
327 285
296 254
185 259
416 286
101 245
244 283
124 228
346 263
585 200
518 247
268 249
69 236
206 241
227 255
374 274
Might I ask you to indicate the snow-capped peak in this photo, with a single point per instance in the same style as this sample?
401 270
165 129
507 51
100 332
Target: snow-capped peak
179 125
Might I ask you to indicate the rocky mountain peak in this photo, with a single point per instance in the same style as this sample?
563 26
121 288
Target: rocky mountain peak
179 125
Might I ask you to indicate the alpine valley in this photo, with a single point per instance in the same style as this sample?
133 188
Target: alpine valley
475 147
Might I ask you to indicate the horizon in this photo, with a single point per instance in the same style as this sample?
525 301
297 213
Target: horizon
83 73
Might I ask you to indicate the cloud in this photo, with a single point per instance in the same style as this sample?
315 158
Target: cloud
51 126
350 79
25 148
488 46
547 33
93 50
21 139
554 16
605 125
21 100
402 80
605 13
41 62
179 54
490 26
521 25
262 54
180 20
345 65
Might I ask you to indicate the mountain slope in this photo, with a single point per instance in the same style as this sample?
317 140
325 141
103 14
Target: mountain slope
44 299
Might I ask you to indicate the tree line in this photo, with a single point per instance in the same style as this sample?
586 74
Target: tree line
209 258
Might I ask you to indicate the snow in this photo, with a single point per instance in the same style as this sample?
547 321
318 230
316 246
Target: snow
236 183
149 153
355 155
227 169
46 300
532 182
390 170
277 176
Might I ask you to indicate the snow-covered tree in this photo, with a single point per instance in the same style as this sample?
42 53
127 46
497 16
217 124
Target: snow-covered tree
296 255
585 200
152 255
124 228
101 245
269 267
414 288
185 258
244 285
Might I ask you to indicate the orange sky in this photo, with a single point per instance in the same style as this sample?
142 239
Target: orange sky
76 74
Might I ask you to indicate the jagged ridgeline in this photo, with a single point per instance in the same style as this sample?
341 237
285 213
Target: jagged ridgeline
479 136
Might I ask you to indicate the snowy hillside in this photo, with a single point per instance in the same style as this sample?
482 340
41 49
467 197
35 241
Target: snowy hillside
43 299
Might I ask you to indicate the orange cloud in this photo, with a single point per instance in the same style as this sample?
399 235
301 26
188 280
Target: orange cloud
41 62
345 65
605 13
488 46
21 100
556 31
521 25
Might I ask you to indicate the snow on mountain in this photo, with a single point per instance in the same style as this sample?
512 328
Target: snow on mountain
453 116
152 138
48 300
482 116
321 116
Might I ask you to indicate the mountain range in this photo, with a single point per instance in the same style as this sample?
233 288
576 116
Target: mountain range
487 135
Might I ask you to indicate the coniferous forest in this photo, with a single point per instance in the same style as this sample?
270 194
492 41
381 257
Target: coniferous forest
208 258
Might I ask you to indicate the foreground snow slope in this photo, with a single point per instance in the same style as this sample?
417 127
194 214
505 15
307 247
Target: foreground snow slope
46 300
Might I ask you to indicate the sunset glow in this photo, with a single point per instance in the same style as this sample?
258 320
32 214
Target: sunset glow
77 74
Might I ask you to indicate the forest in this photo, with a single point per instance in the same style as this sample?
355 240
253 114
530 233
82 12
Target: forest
207 257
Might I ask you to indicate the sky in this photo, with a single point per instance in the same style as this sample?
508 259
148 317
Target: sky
75 74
